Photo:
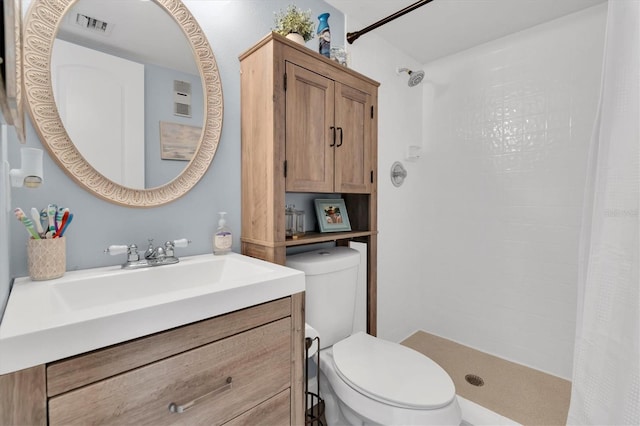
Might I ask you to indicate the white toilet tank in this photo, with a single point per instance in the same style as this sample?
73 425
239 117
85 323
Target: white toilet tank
330 293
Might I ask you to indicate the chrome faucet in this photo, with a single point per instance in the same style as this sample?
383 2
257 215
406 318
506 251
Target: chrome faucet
133 257
153 256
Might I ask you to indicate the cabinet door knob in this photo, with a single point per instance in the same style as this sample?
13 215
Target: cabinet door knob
340 144
333 129
175 408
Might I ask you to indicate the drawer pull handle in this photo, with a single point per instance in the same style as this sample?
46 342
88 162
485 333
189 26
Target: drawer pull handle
175 408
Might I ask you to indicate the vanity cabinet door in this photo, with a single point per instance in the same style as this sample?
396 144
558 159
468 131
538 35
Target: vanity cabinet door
258 363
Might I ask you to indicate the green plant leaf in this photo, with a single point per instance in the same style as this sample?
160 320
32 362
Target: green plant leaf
294 20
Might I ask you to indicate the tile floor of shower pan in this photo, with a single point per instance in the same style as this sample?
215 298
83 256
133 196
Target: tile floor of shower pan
520 393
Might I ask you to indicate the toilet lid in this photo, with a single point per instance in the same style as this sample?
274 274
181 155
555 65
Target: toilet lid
391 373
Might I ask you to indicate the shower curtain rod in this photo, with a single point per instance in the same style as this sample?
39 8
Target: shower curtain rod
351 37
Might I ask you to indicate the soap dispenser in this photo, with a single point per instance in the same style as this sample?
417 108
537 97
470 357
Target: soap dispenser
222 239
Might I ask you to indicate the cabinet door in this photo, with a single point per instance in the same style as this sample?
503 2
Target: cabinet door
309 134
353 156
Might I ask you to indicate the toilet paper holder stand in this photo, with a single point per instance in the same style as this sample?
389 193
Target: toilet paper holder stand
313 404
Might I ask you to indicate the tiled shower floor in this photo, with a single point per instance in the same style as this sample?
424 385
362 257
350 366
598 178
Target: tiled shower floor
527 396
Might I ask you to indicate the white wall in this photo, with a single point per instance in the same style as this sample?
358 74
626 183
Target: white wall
481 243
507 131
399 209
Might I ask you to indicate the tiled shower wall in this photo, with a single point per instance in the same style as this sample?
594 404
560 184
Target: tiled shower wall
507 126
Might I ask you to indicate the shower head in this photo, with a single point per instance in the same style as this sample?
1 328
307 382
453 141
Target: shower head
415 77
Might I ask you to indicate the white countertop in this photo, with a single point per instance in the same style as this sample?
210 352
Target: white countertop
41 323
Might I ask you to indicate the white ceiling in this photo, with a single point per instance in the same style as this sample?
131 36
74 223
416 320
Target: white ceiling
439 28
444 27
141 31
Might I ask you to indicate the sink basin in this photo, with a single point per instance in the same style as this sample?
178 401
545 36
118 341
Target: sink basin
89 309
125 286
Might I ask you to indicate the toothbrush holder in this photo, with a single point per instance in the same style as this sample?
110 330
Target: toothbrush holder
46 258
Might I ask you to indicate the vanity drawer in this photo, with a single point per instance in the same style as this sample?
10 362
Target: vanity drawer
258 362
75 372
273 412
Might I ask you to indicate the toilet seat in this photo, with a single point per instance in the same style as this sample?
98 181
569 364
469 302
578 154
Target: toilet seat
391 373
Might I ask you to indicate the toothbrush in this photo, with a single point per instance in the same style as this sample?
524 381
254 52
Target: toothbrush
63 224
59 214
35 216
44 218
26 222
51 214
66 224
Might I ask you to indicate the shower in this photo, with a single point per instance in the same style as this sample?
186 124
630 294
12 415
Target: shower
415 77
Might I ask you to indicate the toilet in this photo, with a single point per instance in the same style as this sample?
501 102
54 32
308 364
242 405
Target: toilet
366 380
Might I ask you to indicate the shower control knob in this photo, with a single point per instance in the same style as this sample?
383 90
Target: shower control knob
398 174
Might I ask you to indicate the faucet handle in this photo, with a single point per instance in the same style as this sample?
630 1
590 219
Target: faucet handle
170 245
182 242
121 249
131 251
116 249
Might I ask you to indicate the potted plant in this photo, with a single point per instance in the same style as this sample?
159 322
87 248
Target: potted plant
295 24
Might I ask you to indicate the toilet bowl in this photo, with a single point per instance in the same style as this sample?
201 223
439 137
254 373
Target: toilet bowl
383 383
366 380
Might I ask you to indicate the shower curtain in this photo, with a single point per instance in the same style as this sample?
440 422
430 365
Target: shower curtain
606 371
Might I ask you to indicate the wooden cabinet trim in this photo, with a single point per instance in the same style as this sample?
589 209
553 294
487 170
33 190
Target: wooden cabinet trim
297 359
303 50
71 373
23 399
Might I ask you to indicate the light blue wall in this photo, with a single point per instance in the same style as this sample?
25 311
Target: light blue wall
231 27
158 101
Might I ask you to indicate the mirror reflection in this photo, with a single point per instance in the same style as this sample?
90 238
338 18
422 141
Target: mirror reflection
128 90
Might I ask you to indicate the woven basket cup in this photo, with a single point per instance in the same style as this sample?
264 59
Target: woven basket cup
47 258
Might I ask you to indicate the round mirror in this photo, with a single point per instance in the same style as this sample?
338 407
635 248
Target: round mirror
131 111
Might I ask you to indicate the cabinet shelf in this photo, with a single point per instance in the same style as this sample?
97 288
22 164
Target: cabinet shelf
316 237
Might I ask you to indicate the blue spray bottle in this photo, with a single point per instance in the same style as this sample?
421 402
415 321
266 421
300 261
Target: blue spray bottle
324 35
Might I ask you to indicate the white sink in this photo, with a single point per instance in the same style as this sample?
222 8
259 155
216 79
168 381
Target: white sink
93 308
212 273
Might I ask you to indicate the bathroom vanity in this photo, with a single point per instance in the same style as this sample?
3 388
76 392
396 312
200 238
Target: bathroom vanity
240 367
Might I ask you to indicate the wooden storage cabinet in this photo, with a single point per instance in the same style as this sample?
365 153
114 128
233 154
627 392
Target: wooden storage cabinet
241 368
309 125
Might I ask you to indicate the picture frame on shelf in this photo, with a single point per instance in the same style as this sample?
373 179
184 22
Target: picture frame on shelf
332 215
